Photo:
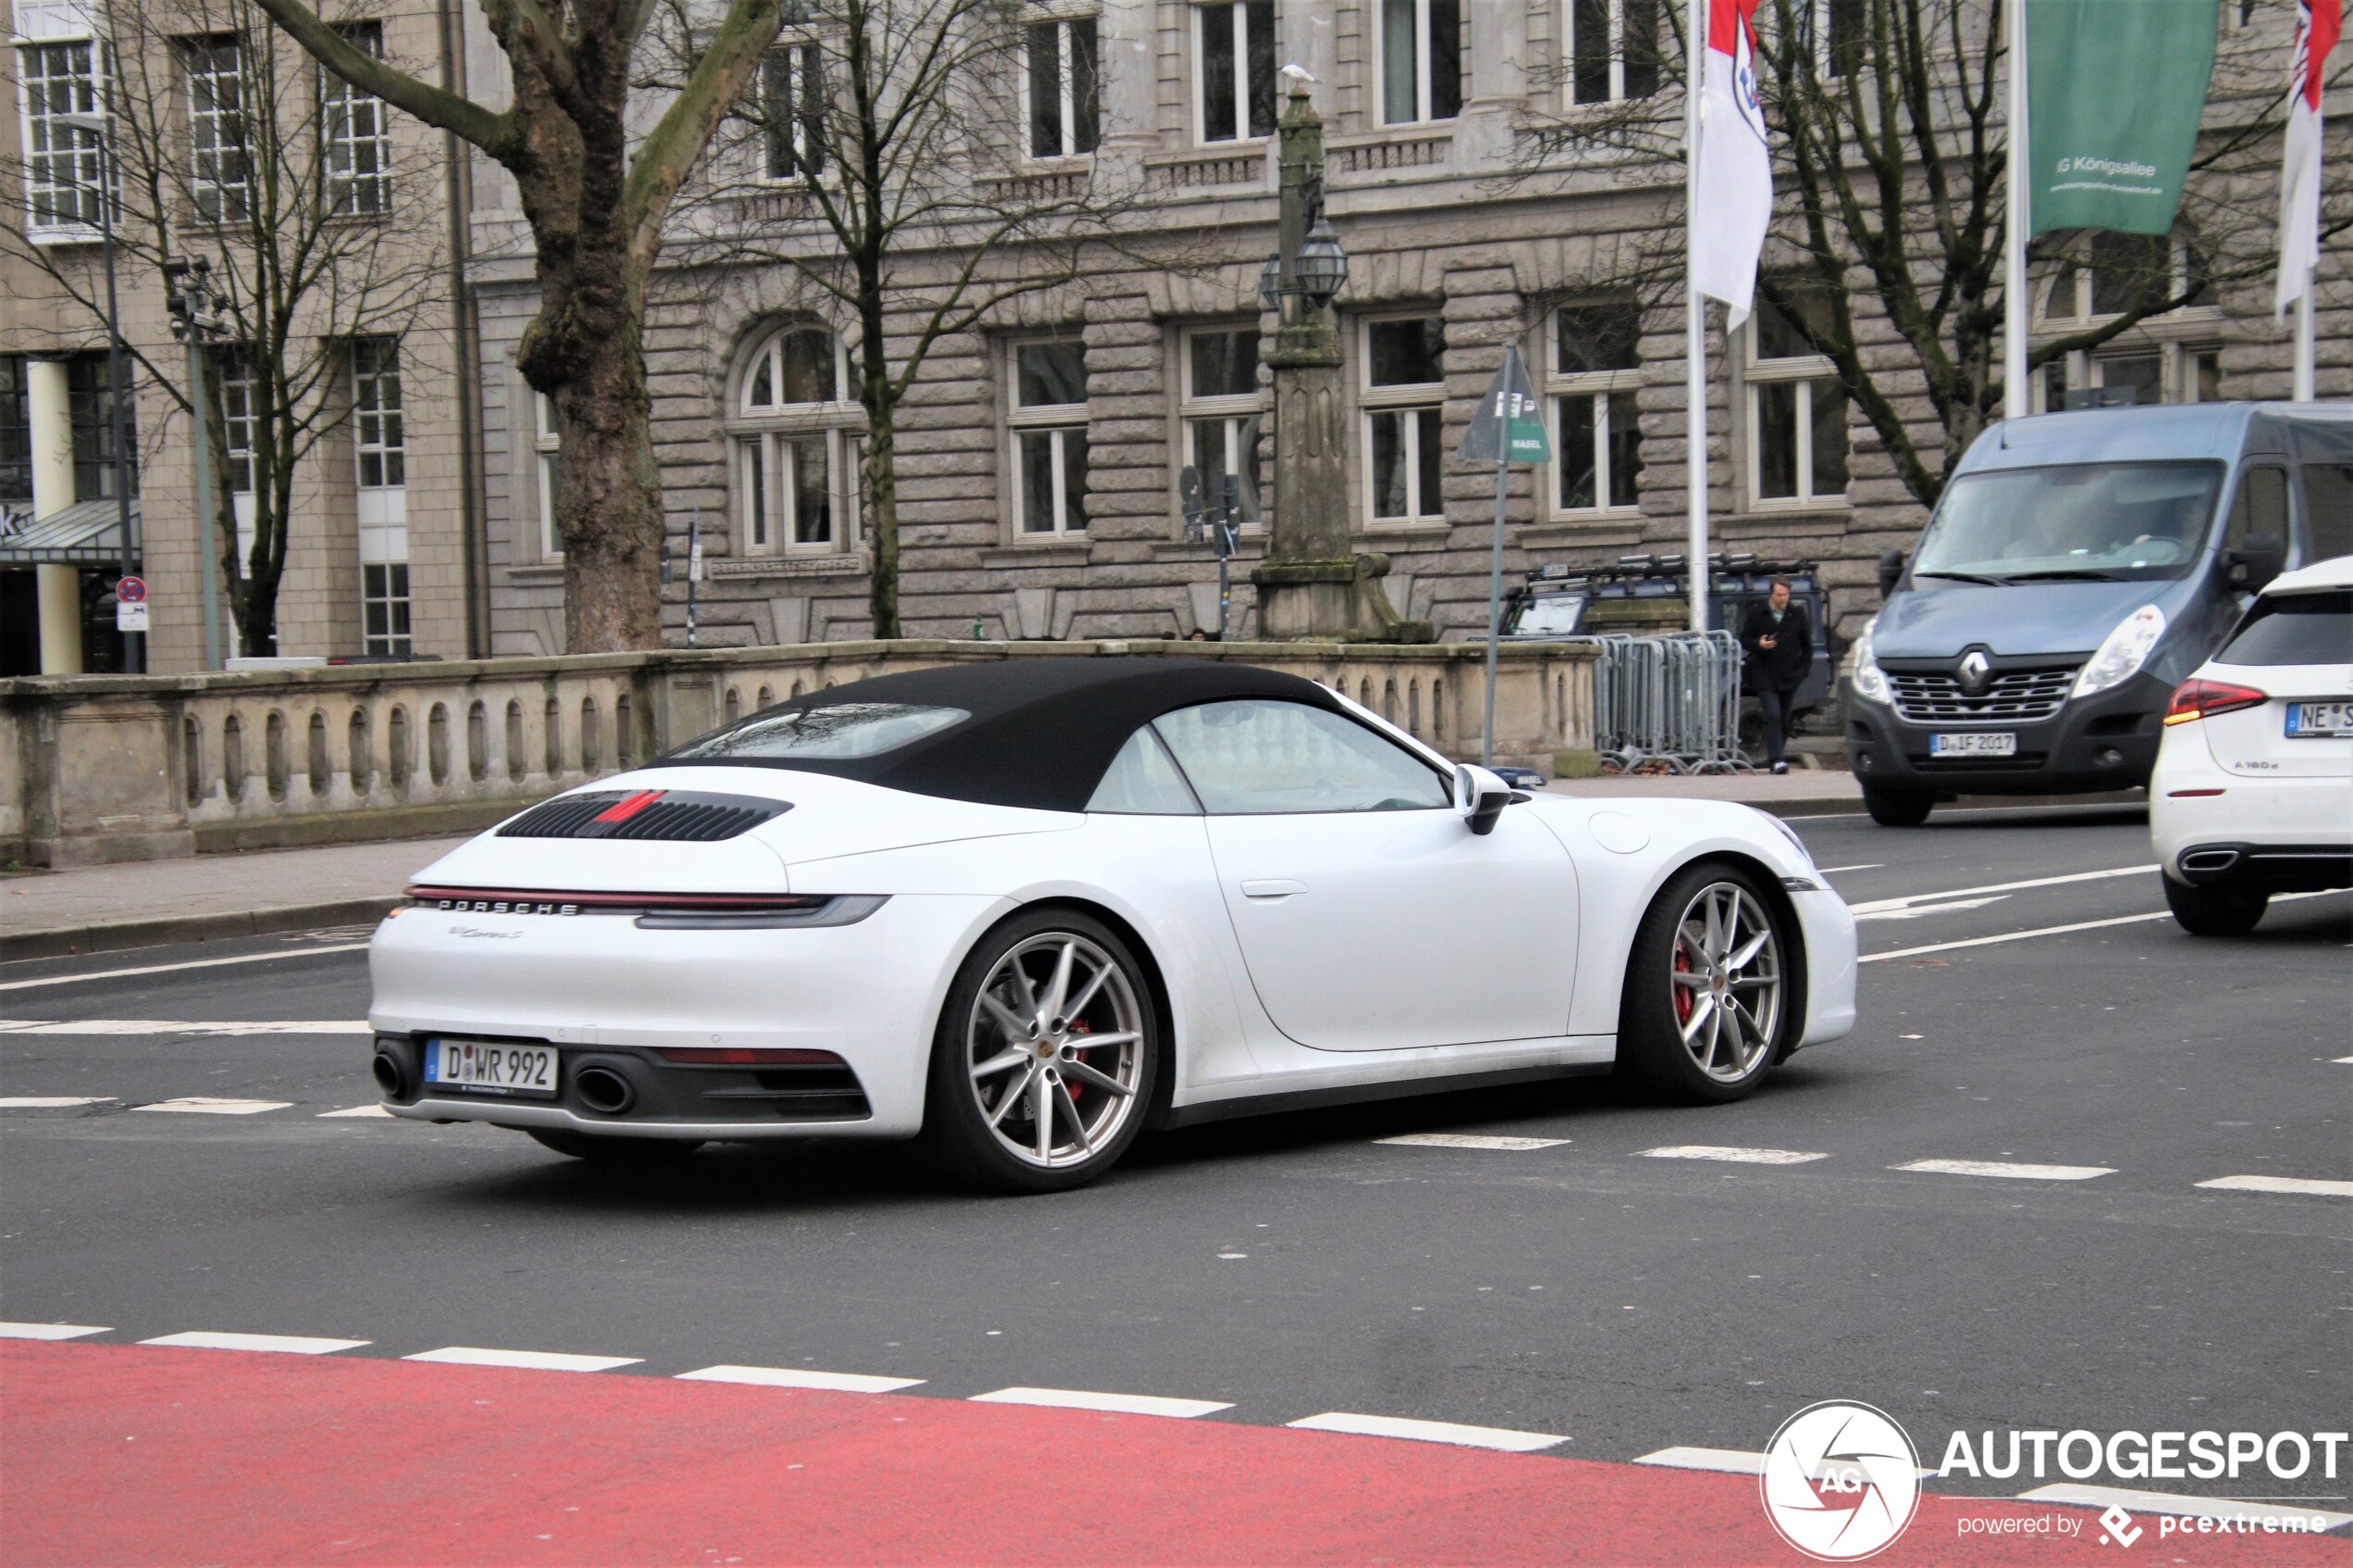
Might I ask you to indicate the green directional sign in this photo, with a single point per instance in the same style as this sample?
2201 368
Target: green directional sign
1509 426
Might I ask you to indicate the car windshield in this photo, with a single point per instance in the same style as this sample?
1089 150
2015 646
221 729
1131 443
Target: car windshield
2120 521
2294 629
835 732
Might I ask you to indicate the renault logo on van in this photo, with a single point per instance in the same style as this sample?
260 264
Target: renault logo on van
1975 667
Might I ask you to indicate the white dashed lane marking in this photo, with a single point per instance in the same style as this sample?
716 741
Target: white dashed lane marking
1470 1140
1088 1399
1730 1461
2165 1502
797 1378
358 1111
2050 931
49 1330
52 1102
1883 906
2304 1186
533 1360
1734 1156
171 968
284 1344
168 1026
1498 1438
2001 1168
206 1105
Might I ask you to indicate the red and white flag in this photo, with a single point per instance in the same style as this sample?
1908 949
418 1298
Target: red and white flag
2317 23
1734 199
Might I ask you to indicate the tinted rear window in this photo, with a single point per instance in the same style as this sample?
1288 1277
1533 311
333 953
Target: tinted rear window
2295 629
2328 499
834 732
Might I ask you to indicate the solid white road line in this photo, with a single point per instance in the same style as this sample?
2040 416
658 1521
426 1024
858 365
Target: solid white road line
795 1378
1429 1432
358 1111
1876 905
2341 1059
204 1105
535 1361
2000 1168
1088 1399
2302 1185
52 1102
1866 866
2050 931
2165 1502
1731 1461
48 1330
1469 1140
1731 1155
192 963
1921 912
284 1344
162 1027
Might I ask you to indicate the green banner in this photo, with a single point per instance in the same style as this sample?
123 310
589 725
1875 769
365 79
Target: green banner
2116 89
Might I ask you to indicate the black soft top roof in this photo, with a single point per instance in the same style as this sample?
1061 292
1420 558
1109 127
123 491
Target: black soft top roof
1042 731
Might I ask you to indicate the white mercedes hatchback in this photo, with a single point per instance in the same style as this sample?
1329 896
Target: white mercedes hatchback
2253 792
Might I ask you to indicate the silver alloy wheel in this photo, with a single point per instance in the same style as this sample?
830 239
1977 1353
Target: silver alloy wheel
1055 1050
1726 981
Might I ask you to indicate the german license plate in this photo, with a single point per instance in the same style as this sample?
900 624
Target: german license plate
1977 743
491 1067
2311 720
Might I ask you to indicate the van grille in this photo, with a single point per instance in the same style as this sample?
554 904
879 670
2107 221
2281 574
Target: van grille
677 816
2012 696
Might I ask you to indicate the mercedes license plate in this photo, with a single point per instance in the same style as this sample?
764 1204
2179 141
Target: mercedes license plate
491 1067
2311 720
2001 743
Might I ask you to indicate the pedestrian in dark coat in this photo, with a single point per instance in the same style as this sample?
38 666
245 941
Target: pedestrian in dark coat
1780 645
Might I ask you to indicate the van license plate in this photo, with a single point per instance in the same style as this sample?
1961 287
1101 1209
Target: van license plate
492 1067
2319 721
2002 742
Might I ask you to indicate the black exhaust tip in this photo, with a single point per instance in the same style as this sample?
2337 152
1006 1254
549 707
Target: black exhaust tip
389 1076
2208 862
604 1091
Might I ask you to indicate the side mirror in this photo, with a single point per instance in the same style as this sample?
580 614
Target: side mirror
2258 558
1481 796
1891 571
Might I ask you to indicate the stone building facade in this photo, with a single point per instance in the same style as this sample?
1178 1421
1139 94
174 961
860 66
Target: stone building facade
1040 459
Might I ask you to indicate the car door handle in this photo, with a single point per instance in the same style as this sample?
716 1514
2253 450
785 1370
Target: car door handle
1272 888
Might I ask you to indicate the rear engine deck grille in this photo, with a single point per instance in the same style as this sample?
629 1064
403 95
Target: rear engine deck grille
676 816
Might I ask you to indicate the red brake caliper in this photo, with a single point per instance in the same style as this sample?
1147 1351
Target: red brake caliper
1683 993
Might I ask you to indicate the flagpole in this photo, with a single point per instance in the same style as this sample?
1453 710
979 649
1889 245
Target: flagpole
1694 330
2014 299
2305 376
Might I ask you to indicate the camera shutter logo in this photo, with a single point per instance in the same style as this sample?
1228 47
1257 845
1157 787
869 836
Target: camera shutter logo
1841 1481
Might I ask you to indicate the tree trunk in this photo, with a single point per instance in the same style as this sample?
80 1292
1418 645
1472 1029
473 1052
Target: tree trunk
609 489
882 467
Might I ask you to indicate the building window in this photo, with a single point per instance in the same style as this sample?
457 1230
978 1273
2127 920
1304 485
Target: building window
1403 395
1049 422
794 435
547 447
1064 112
383 604
791 106
217 175
1613 50
15 431
353 136
1223 423
61 161
90 411
376 413
1421 60
1796 408
1596 373
1234 69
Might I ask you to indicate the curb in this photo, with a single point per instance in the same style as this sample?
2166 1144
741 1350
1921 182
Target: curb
107 937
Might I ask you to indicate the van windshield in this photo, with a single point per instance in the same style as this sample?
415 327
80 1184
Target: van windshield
2099 521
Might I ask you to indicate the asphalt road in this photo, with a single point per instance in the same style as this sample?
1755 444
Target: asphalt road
1294 1264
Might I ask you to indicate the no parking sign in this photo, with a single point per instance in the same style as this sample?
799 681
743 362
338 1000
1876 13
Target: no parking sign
131 605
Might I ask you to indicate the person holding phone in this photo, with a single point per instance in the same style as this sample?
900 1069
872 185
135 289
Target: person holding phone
1780 645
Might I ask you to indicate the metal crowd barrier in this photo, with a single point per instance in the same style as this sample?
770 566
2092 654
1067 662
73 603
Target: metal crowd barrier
1668 704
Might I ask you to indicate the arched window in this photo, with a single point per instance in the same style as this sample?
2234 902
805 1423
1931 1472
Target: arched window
795 437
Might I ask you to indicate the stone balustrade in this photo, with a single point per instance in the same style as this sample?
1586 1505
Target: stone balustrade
124 768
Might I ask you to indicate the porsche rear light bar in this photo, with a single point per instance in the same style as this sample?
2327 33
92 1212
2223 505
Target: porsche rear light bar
660 911
2198 698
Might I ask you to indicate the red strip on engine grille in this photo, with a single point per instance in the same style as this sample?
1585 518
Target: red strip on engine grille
622 809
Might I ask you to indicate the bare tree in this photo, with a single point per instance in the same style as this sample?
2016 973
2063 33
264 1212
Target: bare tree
1890 152
595 187
880 158
230 147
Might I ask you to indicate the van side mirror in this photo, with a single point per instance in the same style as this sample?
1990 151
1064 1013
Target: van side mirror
2258 558
1481 796
1891 571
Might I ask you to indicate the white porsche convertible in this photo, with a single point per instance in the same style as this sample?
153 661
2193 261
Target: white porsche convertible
1026 909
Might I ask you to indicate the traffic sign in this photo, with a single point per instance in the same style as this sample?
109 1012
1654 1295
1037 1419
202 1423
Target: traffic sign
131 591
1509 426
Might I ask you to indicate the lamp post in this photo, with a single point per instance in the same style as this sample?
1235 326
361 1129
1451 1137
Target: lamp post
1312 582
199 316
102 128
